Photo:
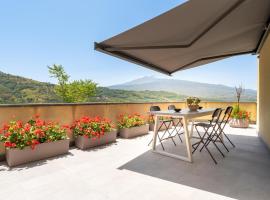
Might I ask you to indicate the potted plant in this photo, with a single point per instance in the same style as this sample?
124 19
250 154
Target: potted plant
193 103
132 126
239 117
34 140
91 132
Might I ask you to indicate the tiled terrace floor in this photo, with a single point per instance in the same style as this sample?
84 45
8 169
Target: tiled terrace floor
128 170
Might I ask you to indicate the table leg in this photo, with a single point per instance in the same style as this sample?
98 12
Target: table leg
155 132
187 138
192 128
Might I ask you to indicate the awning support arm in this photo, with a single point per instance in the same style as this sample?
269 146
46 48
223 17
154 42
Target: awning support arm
124 56
263 38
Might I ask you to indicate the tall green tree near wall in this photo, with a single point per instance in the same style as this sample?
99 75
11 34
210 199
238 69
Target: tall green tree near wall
72 92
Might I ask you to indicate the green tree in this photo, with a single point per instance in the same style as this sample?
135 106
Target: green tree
71 92
58 72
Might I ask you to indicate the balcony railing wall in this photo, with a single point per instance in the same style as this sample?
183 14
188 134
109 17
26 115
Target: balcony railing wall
67 113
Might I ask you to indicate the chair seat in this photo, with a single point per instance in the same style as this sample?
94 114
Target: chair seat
202 124
166 120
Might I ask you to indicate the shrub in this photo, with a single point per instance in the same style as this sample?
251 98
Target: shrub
17 134
238 113
91 127
128 121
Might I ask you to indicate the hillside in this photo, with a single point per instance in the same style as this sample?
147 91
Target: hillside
16 89
187 88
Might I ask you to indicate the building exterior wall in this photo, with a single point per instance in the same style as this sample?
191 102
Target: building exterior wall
67 113
264 92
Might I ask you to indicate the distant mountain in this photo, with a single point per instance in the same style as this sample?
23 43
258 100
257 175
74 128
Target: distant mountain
114 95
186 88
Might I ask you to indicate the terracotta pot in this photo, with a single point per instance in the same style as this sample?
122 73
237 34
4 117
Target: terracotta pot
152 125
193 107
16 156
134 131
239 123
84 143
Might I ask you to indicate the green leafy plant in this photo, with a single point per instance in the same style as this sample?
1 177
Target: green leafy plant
238 113
17 134
93 128
75 91
129 121
193 101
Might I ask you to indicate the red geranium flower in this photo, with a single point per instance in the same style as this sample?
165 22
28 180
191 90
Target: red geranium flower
16 134
129 120
91 127
66 126
6 127
7 134
7 144
40 122
27 127
34 143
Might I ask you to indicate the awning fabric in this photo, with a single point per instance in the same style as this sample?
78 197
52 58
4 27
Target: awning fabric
195 33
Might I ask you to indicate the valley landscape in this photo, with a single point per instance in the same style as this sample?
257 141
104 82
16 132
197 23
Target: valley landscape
15 90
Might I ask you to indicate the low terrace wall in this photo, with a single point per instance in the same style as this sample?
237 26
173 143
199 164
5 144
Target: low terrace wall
67 113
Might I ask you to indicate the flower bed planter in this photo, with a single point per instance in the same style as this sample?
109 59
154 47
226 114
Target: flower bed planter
152 125
239 123
134 131
84 143
16 156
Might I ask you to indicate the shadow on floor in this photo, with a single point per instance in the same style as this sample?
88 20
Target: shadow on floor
97 148
242 174
4 166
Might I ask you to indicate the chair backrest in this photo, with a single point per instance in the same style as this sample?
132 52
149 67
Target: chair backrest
171 107
154 108
216 115
227 114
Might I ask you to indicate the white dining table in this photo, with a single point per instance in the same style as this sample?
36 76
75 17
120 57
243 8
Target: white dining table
187 117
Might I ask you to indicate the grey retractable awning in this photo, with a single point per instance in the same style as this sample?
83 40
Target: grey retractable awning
192 34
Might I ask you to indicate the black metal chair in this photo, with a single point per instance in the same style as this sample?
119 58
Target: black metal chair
219 132
166 123
207 138
223 123
177 124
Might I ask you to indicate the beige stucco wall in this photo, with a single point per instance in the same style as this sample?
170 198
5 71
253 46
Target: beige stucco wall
264 92
67 113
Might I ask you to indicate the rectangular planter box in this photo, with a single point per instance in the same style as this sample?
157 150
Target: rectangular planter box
16 157
84 143
134 131
239 123
152 125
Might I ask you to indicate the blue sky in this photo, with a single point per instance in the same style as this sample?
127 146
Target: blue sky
36 33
